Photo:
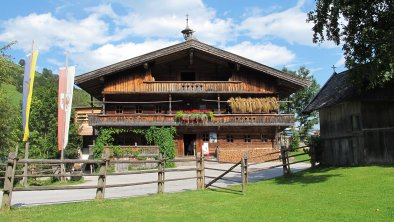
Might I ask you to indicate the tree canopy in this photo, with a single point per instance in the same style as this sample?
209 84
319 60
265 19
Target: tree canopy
43 115
300 99
4 62
366 30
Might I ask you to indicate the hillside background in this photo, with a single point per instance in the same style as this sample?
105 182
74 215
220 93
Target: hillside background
43 116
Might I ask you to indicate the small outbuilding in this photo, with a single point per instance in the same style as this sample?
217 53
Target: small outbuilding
356 128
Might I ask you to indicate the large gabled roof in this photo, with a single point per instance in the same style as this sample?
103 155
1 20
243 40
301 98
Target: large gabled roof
340 88
87 80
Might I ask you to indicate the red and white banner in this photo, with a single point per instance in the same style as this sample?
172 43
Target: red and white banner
65 96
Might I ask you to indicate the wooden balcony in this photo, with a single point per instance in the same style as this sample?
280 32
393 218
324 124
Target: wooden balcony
194 87
170 120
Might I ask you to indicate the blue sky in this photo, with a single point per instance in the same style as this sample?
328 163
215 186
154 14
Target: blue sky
98 33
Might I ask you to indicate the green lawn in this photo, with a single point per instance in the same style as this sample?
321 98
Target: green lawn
299 158
323 194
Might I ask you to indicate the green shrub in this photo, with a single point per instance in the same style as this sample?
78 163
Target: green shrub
294 139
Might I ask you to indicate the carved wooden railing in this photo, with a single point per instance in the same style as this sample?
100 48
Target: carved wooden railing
170 120
195 86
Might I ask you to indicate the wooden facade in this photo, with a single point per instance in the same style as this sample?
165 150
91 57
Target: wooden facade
355 129
192 77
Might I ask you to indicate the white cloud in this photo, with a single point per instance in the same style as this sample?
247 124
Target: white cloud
267 54
48 32
109 53
146 19
340 62
289 25
102 10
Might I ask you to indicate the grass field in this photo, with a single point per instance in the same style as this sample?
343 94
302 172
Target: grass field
322 194
301 157
12 94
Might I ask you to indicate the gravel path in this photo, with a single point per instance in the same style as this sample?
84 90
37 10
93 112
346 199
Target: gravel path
32 198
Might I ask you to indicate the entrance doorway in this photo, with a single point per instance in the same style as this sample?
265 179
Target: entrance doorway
189 144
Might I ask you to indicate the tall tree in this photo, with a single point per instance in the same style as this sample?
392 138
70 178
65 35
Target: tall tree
366 30
8 117
9 126
22 62
43 121
4 62
300 99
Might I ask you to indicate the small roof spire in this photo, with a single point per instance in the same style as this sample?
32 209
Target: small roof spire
187 32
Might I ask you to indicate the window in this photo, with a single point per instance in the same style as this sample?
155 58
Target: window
230 139
264 138
205 137
247 139
157 109
355 120
213 137
119 109
138 109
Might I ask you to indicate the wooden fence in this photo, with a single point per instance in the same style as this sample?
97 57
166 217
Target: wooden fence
200 169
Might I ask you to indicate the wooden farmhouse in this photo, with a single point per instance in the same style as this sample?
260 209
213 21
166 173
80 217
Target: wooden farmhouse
219 102
355 128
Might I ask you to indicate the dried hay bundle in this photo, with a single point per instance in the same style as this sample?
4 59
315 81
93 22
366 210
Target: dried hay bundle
253 105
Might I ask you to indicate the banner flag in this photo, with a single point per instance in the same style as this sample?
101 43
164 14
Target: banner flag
65 96
28 81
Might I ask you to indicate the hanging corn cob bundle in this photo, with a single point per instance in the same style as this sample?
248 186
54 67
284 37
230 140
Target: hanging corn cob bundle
253 105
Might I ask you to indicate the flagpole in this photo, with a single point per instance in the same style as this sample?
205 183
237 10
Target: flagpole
62 168
24 181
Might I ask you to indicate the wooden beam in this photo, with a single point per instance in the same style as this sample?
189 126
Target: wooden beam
191 56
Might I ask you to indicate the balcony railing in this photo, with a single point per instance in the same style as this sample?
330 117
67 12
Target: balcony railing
170 120
194 87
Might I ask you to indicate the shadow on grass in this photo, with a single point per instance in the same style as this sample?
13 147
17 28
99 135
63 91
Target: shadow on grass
225 190
307 177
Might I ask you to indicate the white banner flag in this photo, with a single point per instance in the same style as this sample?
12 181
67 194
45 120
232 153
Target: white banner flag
65 97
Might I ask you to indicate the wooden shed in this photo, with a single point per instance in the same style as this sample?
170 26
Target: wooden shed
355 128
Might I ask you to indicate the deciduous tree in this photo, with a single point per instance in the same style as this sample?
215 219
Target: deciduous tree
366 30
300 99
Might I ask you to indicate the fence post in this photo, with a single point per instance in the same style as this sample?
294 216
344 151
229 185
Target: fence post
246 157
200 171
8 181
243 175
285 159
160 174
102 179
24 181
313 156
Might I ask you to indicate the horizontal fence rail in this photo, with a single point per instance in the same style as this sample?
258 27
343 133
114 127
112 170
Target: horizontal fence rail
43 168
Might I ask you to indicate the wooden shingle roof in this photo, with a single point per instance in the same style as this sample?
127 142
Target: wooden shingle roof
186 45
338 88
91 79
